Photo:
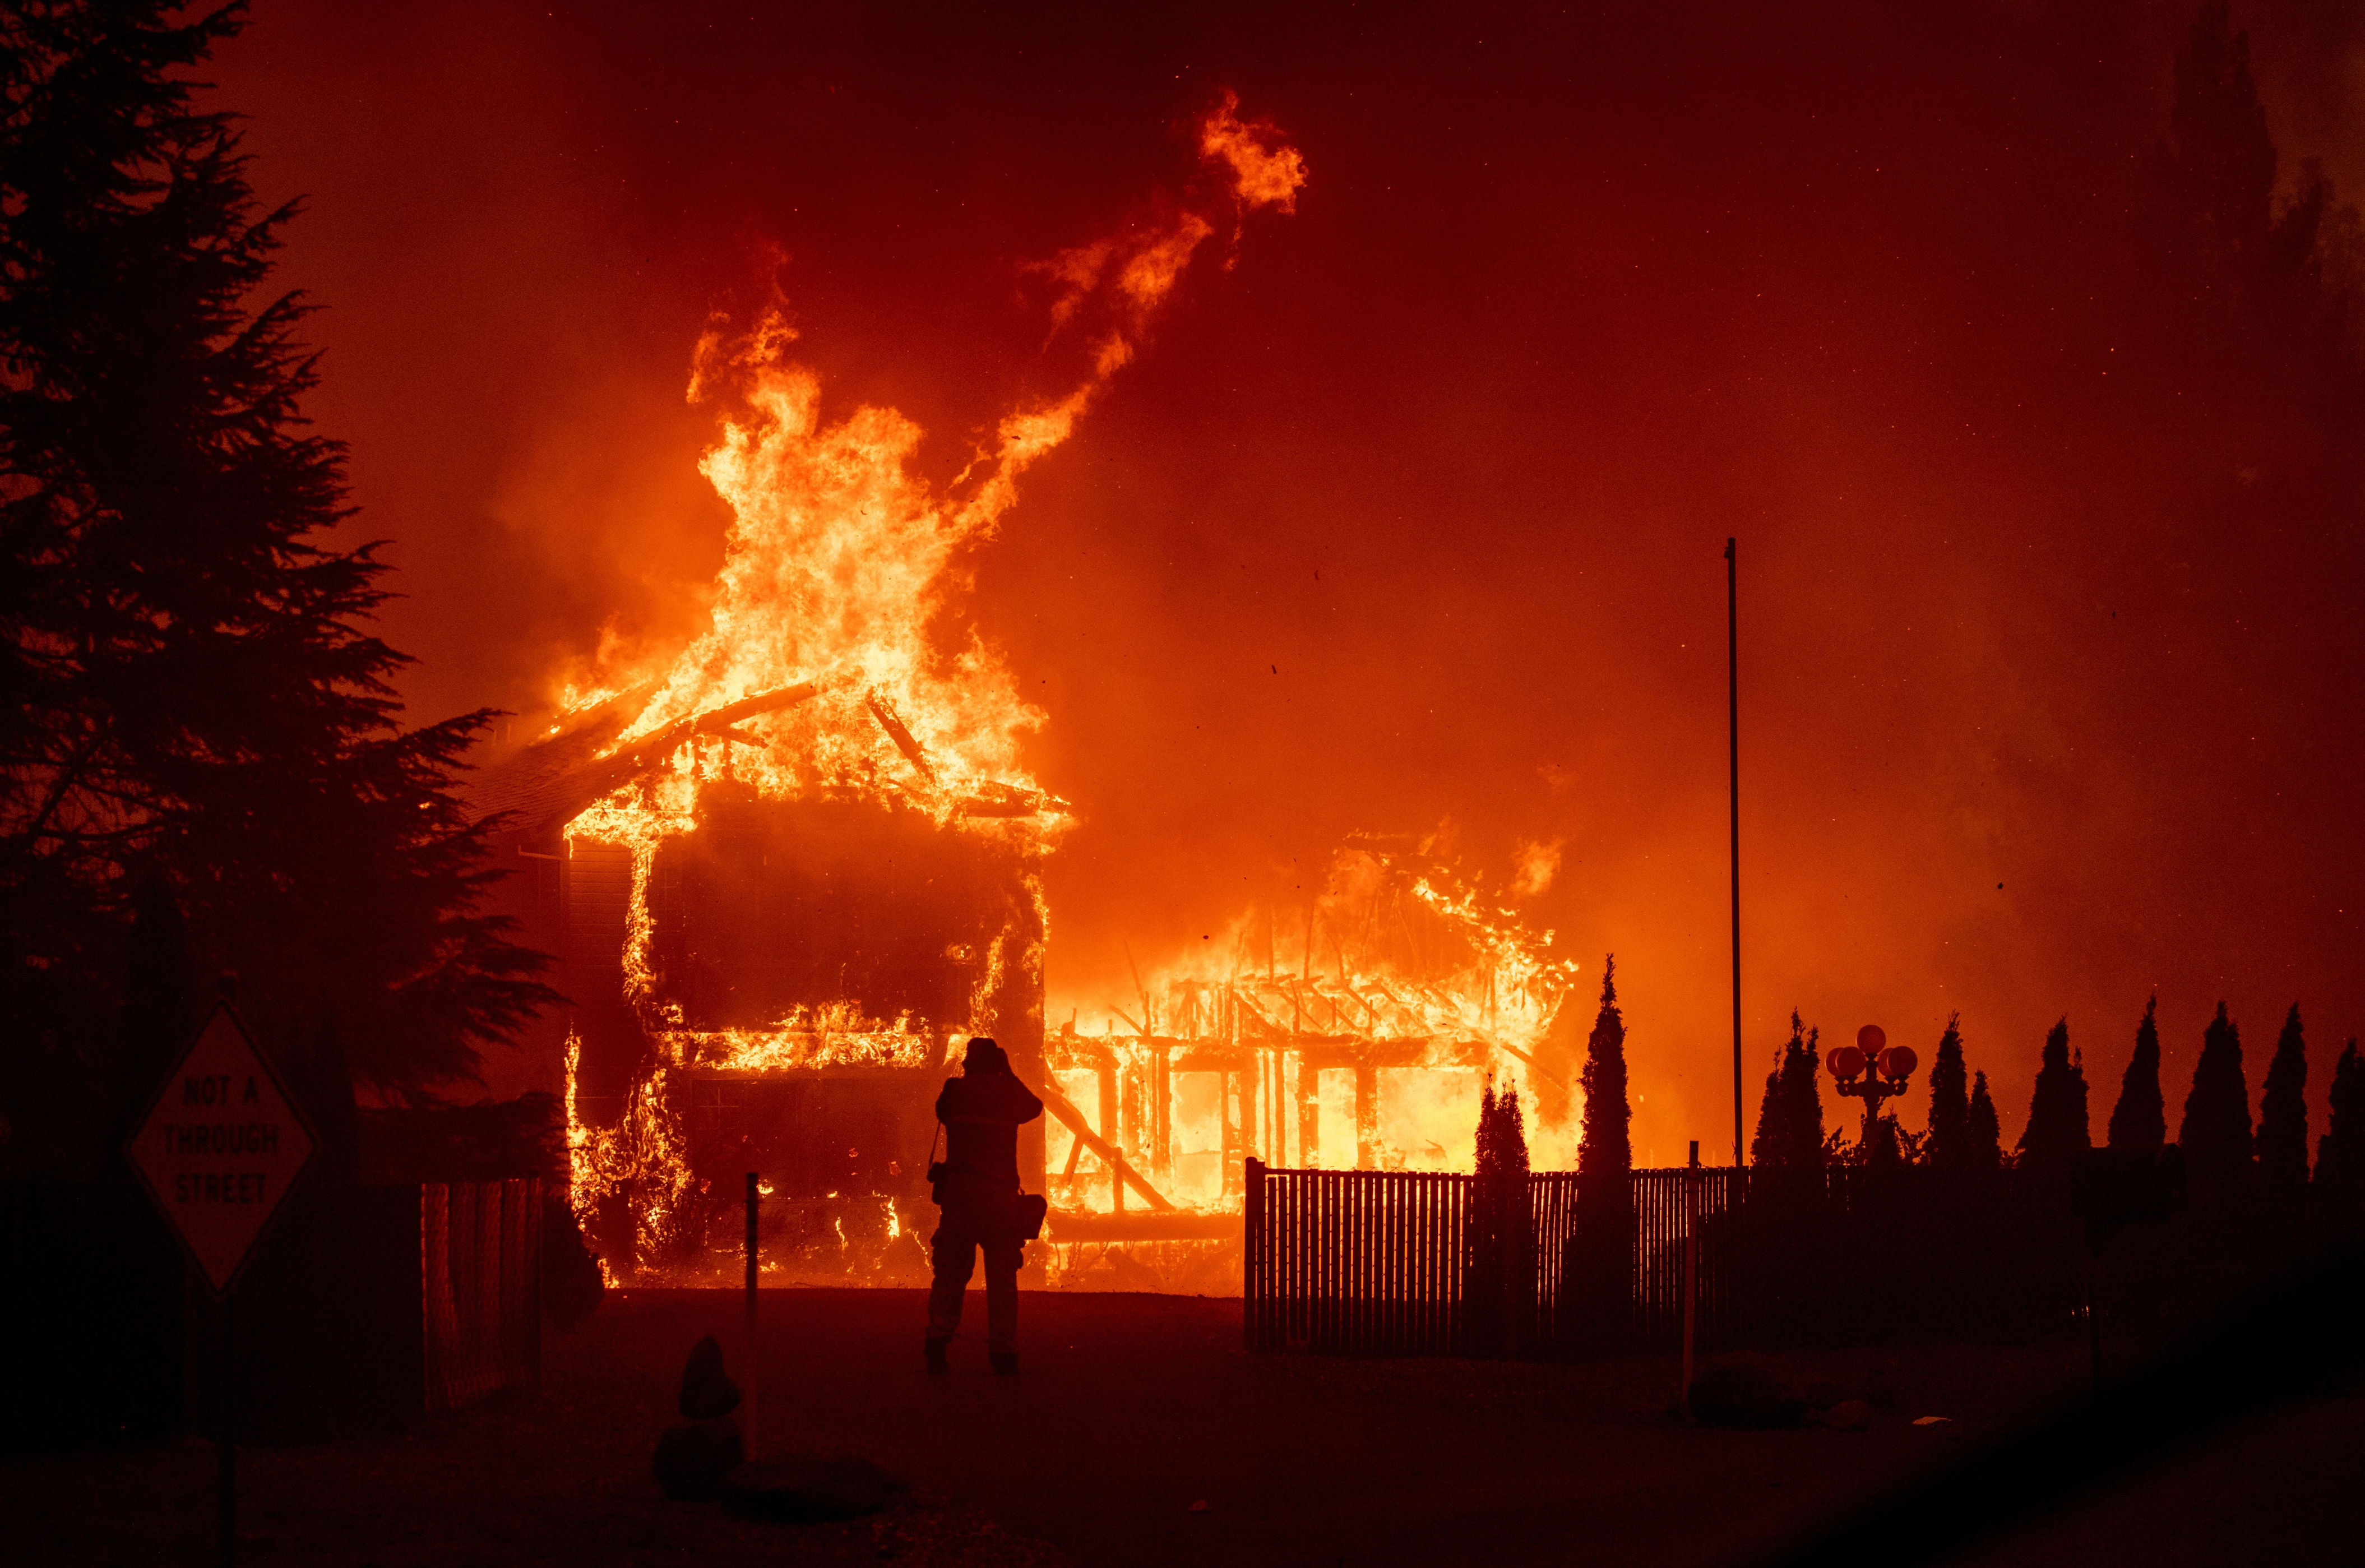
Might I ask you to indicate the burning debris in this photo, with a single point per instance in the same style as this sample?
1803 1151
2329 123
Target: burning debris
1355 1033
792 867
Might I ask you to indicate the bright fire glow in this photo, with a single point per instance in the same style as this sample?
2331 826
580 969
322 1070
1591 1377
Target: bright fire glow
1354 1031
827 618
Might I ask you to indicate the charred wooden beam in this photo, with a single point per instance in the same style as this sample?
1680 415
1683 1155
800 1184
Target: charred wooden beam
898 735
1180 1224
1533 1062
626 763
1080 1051
1060 1107
1014 803
1149 1013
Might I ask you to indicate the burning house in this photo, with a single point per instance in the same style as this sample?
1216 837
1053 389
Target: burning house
791 868
1353 1033
771 984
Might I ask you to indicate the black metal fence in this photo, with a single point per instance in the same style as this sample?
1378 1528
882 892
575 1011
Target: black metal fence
1369 1262
480 1287
1662 1201
1381 1263
1384 1262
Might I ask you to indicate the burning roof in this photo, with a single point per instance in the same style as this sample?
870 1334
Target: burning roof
809 838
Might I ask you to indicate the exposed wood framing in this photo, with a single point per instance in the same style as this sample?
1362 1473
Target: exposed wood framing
898 735
1060 1107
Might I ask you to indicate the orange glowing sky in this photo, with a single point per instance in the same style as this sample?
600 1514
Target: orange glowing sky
1412 515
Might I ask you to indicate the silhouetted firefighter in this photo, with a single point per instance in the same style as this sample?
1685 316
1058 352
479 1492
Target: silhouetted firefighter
975 1184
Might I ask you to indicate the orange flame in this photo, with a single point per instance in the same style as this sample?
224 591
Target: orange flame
1266 171
1400 965
838 561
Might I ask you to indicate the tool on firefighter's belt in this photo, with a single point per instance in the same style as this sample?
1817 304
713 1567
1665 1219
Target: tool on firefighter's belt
1033 1207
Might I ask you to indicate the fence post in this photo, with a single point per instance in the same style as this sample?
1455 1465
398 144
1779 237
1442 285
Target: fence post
1691 1269
1252 1232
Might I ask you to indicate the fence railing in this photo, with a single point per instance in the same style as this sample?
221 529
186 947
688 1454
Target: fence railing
1380 1263
1355 1261
480 1288
1659 1224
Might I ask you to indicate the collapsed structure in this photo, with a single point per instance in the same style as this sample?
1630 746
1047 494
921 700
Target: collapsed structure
782 989
775 988
1353 1033
790 868
788 872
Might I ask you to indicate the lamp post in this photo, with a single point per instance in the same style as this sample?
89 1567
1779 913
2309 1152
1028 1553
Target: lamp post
1872 1070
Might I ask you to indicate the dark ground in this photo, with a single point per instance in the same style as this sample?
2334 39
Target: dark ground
1136 1409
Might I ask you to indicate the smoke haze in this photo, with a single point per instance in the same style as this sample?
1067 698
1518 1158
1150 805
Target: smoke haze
1407 515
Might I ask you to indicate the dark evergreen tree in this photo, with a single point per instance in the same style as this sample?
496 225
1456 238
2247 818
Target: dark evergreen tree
1884 1147
162 996
1484 1160
1987 1134
2282 1112
1767 1137
2139 1120
2057 1131
1789 1134
1950 1104
2215 1132
1510 1138
189 695
1499 1288
2340 1156
1597 1267
1607 1151
1502 1133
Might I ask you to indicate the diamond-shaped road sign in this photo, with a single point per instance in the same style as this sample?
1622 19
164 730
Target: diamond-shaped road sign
221 1147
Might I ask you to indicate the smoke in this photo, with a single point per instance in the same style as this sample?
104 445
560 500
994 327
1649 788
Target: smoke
2043 702
1537 864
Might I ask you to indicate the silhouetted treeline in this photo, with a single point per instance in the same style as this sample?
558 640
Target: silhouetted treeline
1867 1234
201 766
202 770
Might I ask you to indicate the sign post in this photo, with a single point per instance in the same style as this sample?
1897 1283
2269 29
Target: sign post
220 1149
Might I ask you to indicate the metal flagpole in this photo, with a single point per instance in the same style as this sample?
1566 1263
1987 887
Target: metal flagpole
1732 699
1691 1270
